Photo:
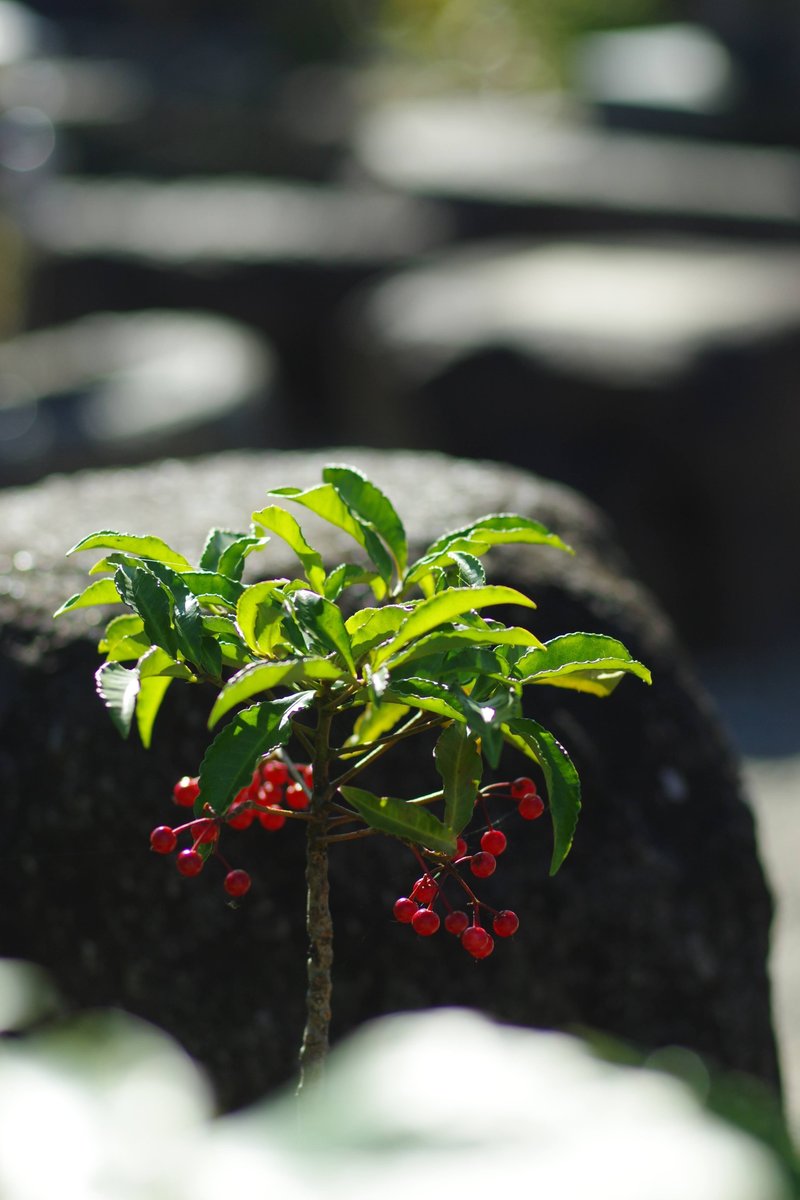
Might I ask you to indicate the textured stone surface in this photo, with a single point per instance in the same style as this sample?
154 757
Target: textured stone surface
656 930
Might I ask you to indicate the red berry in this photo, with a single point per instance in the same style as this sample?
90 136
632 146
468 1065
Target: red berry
307 771
163 839
494 842
275 772
530 807
296 797
477 942
522 787
205 830
240 815
189 862
506 923
405 909
456 922
237 883
461 848
425 922
186 791
270 818
425 889
483 865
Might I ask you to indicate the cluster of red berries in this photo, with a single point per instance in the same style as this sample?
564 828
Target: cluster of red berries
271 795
418 908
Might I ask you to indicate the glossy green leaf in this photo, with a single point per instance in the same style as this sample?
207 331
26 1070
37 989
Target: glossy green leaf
486 717
347 575
370 626
323 621
587 662
459 762
411 822
216 544
436 643
470 569
231 758
279 521
369 503
157 662
374 721
326 502
142 592
501 528
118 687
130 543
260 615
232 559
151 693
211 587
425 694
445 608
477 538
118 629
225 552
102 591
255 678
561 779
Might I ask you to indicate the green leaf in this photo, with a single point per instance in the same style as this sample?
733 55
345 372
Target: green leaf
118 687
436 643
157 662
370 626
102 591
255 678
501 528
408 821
142 592
212 587
131 543
260 615
486 717
444 608
286 527
151 692
374 722
216 544
119 629
476 539
586 662
225 551
458 761
425 694
470 569
561 779
326 502
231 758
324 622
369 503
344 576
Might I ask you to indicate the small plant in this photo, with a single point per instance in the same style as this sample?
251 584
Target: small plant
302 678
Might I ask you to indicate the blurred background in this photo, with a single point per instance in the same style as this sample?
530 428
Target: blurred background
557 233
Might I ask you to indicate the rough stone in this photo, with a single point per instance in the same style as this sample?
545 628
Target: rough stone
656 930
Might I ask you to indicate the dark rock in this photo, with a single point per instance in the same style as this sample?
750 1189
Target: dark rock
118 388
656 930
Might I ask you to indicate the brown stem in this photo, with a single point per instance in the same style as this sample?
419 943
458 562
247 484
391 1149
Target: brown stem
319 926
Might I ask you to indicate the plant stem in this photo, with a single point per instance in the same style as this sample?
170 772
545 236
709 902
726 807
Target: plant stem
319 926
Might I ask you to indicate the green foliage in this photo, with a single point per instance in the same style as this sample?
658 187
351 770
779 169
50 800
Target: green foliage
423 656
